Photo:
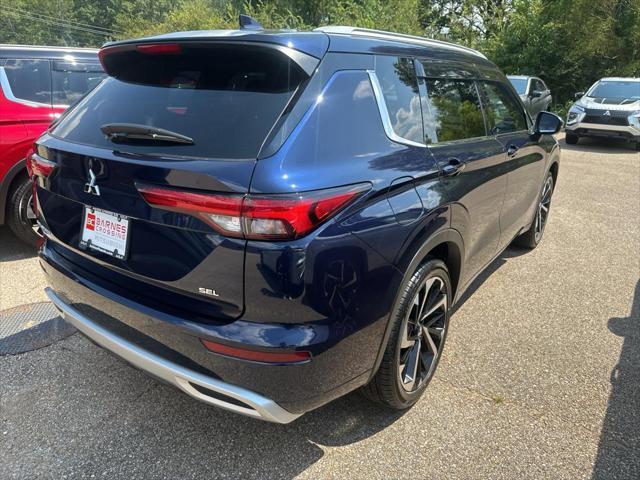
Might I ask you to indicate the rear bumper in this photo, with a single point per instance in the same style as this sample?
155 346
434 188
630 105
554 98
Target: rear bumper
212 391
341 360
603 130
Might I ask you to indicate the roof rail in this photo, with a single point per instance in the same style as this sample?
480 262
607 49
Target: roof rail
46 47
398 37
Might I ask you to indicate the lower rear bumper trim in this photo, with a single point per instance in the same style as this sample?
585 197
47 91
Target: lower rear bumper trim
246 402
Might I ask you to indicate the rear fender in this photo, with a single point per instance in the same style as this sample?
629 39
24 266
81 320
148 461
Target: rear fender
412 258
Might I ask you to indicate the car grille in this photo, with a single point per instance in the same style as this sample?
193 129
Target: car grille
614 117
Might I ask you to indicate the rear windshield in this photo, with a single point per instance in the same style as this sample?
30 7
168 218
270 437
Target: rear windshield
613 89
520 84
225 98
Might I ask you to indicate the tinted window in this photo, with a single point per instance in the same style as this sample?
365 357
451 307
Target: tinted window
452 111
71 81
503 112
30 80
399 85
225 98
539 86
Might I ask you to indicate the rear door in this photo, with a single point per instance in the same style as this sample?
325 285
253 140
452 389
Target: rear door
471 163
160 199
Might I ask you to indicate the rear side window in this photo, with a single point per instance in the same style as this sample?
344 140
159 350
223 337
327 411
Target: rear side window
453 110
70 81
397 77
503 112
226 98
29 80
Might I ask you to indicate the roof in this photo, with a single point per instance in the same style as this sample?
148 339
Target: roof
621 79
396 37
313 43
38 51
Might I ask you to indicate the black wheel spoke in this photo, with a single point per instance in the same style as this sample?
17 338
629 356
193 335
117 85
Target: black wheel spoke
422 333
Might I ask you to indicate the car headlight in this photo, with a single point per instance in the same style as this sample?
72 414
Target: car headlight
634 119
576 114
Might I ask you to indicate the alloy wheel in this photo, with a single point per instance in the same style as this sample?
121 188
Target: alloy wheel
543 208
422 334
27 215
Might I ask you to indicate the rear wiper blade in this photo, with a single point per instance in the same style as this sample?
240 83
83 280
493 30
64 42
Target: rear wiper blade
133 131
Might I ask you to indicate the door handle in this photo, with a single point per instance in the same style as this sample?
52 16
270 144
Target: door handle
453 167
512 150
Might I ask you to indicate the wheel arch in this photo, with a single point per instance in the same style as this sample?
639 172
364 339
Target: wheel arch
446 245
7 185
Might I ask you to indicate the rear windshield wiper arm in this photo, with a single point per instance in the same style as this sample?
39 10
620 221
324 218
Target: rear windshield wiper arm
134 131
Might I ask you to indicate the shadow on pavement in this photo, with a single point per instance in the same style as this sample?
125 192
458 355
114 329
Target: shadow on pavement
619 448
600 145
510 252
13 249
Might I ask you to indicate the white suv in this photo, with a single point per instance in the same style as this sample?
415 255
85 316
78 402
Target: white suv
610 108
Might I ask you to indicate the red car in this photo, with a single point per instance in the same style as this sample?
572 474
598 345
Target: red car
36 85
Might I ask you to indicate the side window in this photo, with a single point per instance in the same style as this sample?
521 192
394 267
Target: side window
503 112
71 81
397 77
538 85
453 111
29 80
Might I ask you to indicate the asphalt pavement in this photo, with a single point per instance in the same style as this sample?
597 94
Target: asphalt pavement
540 377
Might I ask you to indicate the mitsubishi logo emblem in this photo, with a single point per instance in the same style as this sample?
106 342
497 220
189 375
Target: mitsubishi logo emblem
90 186
608 113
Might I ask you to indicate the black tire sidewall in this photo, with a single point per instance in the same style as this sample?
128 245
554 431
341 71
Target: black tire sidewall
18 202
427 270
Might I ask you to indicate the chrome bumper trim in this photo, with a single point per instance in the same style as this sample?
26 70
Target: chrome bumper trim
182 378
600 126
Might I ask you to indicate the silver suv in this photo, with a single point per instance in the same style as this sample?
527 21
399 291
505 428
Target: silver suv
533 92
610 108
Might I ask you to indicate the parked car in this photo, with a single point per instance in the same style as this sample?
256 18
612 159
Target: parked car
609 109
268 220
533 92
36 85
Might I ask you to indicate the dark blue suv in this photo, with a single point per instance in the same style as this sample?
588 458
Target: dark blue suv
271 219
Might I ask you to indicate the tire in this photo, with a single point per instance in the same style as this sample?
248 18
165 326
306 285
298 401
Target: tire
571 139
20 216
638 146
532 237
394 385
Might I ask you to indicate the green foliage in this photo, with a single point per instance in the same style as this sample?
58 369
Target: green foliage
569 43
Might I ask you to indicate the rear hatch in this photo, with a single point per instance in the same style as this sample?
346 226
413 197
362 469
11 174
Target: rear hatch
121 177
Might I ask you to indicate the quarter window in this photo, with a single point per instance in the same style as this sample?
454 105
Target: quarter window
452 111
399 85
29 80
503 113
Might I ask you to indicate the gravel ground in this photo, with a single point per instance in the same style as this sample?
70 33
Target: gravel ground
540 378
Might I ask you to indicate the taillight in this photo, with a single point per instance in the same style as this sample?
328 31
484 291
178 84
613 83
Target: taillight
220 211
257 217
38 166
256 355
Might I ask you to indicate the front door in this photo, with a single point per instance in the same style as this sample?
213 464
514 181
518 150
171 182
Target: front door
524 158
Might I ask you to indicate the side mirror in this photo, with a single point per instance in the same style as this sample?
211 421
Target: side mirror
578 95
547 123
536 94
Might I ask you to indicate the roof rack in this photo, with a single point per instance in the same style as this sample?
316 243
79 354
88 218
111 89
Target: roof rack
398 37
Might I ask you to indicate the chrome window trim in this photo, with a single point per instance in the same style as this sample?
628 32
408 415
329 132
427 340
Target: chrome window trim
384 113
8 93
